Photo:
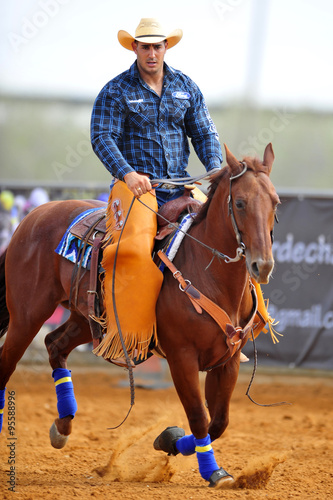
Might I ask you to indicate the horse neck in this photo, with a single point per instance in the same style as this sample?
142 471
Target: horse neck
226 284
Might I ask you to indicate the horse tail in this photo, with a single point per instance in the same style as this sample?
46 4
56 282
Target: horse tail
4 313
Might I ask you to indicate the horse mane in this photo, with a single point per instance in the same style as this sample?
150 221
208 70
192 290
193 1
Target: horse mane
214 182
253 164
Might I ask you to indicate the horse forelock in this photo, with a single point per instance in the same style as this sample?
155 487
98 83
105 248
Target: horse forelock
256 165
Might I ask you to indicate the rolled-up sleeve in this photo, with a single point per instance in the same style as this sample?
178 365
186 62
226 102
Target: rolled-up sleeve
107 125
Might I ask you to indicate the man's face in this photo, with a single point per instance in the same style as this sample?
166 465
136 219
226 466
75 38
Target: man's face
150 57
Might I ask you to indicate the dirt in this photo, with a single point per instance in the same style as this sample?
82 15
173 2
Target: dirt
273 452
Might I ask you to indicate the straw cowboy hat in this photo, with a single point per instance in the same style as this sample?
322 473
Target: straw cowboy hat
149 31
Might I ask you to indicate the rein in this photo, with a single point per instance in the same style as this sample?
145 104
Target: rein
216 253
128 361
182 181
282 403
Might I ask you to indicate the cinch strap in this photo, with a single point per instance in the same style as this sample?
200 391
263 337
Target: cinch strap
2 405
66 404
205 456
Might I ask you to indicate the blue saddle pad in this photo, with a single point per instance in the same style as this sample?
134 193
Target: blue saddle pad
71 247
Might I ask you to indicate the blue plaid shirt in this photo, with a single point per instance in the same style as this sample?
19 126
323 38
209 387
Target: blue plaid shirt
133 129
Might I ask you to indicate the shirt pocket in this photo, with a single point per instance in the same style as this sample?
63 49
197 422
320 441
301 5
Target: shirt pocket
140 114
178 109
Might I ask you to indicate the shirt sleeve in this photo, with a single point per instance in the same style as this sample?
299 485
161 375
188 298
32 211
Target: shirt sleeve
202 131
106 129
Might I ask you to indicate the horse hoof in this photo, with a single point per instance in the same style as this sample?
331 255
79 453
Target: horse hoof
57 440
166 441
220 479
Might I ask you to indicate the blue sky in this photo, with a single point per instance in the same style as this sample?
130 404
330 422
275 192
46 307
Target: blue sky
271 52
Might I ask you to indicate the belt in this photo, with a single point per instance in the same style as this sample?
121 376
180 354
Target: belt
167 186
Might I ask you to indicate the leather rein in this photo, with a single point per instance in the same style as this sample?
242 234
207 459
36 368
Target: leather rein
182 181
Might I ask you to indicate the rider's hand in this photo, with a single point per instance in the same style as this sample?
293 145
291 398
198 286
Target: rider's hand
139 184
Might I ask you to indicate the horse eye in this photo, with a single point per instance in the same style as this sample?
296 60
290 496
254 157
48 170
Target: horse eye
240 204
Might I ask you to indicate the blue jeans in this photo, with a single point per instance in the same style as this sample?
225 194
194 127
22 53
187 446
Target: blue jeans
164 195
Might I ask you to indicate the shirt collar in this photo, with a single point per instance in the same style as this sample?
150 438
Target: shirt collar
168 72
134 72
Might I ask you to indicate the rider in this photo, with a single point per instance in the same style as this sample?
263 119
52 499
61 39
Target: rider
142 118
140 125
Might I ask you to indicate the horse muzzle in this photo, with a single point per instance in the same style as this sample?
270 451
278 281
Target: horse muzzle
260 269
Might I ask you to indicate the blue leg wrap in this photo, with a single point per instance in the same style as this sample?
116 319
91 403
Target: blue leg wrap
2 405
65 392
205 456
186 445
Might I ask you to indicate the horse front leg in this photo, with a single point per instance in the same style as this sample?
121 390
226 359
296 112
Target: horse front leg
60 343
219 386
173 440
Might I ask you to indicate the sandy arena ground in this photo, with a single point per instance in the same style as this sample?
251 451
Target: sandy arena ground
274 453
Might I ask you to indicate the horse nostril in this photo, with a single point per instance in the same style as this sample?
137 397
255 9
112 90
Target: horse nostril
255 268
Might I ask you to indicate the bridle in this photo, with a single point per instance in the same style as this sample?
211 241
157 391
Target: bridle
241 246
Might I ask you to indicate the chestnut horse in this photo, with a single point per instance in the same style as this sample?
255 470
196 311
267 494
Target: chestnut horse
238 215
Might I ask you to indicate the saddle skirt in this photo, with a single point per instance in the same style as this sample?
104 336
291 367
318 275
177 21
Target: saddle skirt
90 226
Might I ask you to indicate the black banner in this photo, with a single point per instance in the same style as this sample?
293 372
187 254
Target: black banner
300 292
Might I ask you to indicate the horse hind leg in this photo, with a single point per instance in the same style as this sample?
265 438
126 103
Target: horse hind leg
19 336
4 314
22 313
59 343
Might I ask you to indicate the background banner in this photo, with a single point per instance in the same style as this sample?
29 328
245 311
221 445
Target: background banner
300 292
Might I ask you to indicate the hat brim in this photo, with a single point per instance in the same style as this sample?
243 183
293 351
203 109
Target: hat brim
126 40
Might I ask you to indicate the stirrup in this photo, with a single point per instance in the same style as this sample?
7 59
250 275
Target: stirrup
243 358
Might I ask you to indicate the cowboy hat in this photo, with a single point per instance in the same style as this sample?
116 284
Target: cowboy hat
149 31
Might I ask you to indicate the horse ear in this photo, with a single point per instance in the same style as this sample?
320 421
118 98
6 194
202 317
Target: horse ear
232 161
269 156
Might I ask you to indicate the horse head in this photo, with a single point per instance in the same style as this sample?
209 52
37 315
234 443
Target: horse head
252 204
